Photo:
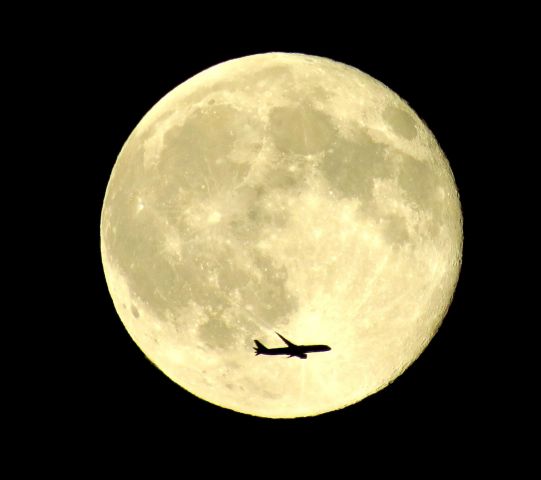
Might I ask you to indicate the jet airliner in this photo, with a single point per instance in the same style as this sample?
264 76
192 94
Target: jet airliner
299 351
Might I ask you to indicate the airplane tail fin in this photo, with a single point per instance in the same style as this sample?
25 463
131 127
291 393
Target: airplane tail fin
259 348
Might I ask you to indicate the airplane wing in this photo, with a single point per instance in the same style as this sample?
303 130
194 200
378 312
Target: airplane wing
289 344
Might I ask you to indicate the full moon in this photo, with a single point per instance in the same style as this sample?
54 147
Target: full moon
289 193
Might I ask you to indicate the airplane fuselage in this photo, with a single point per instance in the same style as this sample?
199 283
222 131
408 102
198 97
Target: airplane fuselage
299 350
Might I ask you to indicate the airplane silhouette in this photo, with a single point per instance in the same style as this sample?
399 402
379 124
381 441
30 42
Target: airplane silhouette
292 350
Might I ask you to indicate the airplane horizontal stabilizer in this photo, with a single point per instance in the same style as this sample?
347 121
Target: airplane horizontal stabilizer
259 348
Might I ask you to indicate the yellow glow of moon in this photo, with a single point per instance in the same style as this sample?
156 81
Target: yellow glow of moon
281 192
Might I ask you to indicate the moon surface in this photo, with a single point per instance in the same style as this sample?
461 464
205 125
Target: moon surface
290 193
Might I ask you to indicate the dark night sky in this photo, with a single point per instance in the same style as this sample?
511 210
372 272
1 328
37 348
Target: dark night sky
109 389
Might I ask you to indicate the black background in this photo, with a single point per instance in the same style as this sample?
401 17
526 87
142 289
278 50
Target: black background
101 81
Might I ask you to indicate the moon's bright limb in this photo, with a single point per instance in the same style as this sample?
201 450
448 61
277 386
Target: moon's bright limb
281 192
